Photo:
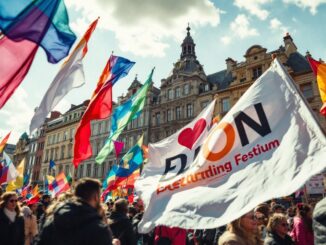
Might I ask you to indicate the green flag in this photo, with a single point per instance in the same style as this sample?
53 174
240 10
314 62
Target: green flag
122 115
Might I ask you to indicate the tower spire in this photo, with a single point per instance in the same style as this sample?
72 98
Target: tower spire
188 46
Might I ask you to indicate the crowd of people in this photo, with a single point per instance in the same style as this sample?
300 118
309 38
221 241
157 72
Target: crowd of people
81 218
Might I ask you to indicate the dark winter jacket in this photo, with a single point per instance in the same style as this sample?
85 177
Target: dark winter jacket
11 233
74 223
122 228
274 239
319 223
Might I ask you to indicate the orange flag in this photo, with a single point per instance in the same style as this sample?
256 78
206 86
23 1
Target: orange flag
319 70
35 191
4 142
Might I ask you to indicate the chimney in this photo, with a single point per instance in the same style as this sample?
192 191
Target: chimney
289 45
230 63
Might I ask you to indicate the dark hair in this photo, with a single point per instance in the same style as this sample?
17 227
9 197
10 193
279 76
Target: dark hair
5 197
302 212
120 206
132 210
278 206
87 187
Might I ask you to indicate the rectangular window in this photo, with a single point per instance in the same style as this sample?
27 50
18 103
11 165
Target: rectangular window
307 91
225 104
186 89
157 118
170 94
96 170
67 170
169 117
206 87
190 110
256 72
178 112
88 170
81 170
177 92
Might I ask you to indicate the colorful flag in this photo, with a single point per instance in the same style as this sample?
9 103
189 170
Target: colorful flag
8 170
269 130
134 157
26 25
52 165
60 184
19 181
48 183
71 75
100 106
35 191
4 142
122 115
110 178
319 70
145 151
118 146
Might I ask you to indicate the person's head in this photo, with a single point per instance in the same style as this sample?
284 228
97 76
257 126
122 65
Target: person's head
131 211
33 207
278 209
245 227
278 224
26 211
261 219
120 206
264 209
89 190
46 198
291 212
304 211
9 200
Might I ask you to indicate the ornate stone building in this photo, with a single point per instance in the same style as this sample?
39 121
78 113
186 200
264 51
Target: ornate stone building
187 90
21 151
59 139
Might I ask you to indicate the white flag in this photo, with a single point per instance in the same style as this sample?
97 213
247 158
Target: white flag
267 146
71 75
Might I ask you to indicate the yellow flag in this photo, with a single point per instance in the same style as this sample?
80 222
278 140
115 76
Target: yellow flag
19 181
35 190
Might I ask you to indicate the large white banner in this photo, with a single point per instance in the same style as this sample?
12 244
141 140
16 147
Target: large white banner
267 146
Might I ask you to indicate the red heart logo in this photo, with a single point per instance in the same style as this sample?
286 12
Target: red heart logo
189 136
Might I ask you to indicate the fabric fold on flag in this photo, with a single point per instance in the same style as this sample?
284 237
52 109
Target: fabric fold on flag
319 70
118 146
8 170
26 25
124 114
100 106
270 129
70 76
19 181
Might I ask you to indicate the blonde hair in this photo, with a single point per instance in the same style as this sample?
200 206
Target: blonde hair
275 220
252 238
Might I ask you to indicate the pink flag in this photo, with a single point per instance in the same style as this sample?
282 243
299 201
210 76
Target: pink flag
118 146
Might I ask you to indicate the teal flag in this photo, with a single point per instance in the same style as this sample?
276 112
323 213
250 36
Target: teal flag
122 115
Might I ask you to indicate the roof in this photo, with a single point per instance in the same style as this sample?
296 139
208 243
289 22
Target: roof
221 78
298 63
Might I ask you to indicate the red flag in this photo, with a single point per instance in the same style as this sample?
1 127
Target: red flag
100 106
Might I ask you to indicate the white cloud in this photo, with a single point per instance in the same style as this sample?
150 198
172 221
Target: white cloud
312 5
226 40
16 115
142 27
241 27
254 7
277 26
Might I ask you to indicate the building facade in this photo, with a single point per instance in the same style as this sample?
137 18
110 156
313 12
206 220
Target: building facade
59 139
182 95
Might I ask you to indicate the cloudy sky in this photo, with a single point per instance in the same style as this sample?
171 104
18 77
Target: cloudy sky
150 32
